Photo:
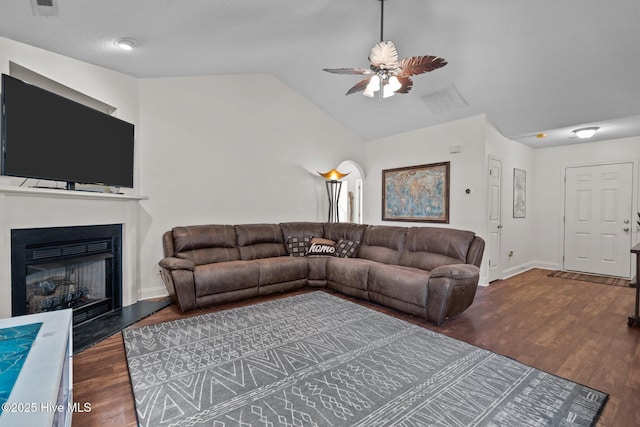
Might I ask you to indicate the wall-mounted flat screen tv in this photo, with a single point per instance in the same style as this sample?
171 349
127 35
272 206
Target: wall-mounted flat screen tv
49 137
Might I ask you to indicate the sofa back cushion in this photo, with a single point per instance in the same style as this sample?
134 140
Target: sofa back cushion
260 241
296 229
430 247
344 231
205 244
382 243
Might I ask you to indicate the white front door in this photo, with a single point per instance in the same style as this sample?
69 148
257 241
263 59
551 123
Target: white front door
597 236
494 242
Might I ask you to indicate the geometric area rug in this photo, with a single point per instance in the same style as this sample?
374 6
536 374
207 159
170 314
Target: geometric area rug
318 360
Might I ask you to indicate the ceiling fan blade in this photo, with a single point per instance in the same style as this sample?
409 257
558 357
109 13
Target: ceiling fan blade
384 55
420 64
348 70
360 86
406 83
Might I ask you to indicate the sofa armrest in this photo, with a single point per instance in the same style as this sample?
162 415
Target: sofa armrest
456 271
177 275
451 289
173 263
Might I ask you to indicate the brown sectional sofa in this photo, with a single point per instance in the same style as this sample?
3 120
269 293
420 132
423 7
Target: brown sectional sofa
425 271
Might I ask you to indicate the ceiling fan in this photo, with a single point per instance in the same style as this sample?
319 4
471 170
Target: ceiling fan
386 74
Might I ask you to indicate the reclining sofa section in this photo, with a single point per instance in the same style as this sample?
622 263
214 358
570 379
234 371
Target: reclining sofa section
429 272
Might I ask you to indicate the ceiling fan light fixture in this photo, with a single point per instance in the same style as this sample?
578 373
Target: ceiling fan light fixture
585 133
394 83
372 87
387 92
387 73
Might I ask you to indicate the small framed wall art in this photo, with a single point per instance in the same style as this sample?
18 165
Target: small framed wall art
519 193
416 193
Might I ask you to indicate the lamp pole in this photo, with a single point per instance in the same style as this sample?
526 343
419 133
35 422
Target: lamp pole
333 192
334 185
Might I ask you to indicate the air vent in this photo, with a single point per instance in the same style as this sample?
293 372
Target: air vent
444 100
44 7
74 250
38 254
98 246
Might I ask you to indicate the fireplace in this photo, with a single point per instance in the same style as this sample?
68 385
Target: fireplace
67 267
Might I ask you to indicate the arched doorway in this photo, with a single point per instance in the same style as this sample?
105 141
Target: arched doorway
350 200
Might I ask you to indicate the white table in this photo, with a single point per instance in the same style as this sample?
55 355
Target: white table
42 393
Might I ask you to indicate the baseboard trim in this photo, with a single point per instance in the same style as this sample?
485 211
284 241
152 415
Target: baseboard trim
155 292
514 271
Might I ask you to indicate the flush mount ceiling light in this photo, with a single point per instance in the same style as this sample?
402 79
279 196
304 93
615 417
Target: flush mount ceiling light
126 44
387 74
585 133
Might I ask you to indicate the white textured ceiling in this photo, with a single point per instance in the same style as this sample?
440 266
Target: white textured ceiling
532 66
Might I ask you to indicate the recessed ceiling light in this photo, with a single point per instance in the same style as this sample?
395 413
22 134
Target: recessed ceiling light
126 44
541 135
585 133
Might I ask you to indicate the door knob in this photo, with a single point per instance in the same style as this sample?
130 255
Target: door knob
626 221
625 229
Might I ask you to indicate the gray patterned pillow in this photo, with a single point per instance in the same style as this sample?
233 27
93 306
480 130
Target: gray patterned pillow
347 248
298 245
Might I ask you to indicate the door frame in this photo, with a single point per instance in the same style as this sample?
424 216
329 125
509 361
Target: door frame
501 221
635 229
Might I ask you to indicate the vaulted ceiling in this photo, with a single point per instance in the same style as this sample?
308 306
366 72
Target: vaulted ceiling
544 66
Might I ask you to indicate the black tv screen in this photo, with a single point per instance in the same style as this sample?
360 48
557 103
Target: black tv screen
47 136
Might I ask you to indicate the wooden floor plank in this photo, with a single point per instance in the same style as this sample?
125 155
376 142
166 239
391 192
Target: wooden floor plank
570 328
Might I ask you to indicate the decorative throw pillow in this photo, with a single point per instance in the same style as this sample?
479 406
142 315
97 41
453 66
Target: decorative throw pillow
347 248
298 245
323 241
321 247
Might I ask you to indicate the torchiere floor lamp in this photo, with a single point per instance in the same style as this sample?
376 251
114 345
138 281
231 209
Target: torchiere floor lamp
334 185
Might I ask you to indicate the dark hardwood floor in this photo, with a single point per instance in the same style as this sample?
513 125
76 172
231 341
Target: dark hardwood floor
577 330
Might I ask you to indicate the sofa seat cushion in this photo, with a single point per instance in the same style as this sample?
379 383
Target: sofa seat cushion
402 283
317 268
225 277
281 270
349 272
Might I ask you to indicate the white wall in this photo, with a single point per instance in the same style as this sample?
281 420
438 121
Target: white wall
231 150
431 145
517 233
549 166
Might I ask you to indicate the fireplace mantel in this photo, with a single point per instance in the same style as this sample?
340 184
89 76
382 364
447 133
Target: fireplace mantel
22 207
67 194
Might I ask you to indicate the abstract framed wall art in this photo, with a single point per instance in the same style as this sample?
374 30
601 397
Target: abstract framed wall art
519 193
416 193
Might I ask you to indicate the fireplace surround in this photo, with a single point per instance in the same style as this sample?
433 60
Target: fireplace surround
78 267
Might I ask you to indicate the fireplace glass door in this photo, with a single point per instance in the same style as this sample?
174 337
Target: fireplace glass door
69 284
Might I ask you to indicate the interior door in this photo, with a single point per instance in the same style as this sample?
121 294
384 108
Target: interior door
597 236
494 241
